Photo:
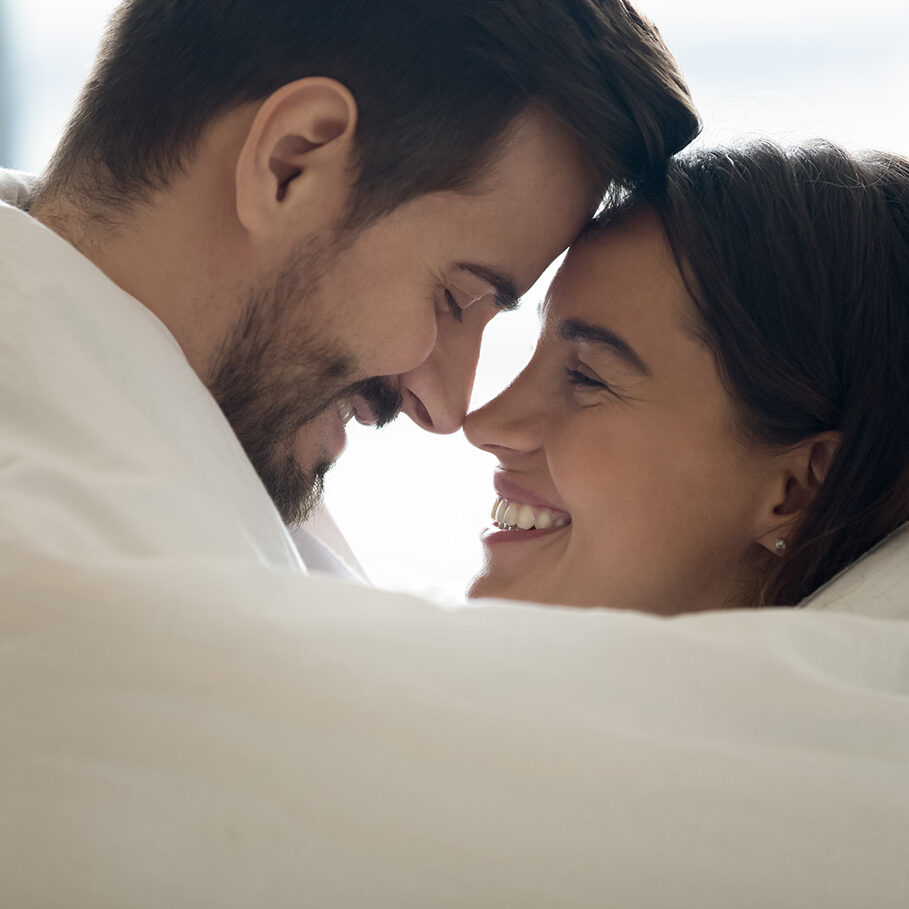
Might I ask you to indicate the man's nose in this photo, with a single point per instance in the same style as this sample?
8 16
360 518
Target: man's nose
437 393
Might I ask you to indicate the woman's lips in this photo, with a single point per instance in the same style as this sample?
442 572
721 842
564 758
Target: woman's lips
518 514
496 535
508 489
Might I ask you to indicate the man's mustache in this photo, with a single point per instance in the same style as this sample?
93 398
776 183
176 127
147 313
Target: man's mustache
383 397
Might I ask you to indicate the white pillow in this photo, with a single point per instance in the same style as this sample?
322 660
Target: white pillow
876 585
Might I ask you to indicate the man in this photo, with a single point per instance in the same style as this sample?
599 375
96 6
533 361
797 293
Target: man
311 219
281 213
312 200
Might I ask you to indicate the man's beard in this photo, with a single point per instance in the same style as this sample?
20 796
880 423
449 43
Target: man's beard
275 374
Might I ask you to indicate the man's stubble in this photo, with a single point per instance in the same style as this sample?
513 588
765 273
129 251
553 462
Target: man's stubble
280 368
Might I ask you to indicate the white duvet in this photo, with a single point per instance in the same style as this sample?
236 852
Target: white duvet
188 720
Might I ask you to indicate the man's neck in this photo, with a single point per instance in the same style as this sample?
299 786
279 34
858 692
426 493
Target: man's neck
168 253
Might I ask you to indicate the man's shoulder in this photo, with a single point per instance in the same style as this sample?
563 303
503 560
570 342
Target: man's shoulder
116 445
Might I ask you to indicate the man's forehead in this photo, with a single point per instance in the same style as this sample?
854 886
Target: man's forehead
536 141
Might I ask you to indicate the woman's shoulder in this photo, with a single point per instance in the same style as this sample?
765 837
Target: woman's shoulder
877 585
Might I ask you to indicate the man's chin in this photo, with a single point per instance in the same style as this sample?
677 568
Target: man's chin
297 489
297 493
293 470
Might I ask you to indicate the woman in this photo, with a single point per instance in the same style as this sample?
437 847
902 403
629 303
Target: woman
717 411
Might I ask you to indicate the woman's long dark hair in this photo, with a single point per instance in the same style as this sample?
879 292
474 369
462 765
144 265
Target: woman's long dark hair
798 262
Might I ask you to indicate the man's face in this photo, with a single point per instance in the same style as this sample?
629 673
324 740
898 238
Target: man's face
391 318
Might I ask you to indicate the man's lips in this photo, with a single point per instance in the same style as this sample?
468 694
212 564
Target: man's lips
324 438
363 411
361 407
331 425
356 407
376 401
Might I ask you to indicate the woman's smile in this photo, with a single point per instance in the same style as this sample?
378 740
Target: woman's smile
620 469
702 367
519 514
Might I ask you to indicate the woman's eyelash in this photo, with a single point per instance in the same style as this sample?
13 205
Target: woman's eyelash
581 379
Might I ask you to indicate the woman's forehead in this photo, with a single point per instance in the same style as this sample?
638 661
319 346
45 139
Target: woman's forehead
625 270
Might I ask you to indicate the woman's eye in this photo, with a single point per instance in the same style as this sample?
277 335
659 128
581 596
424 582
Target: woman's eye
582 380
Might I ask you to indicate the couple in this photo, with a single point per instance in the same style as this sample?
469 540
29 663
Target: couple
717 412
283 215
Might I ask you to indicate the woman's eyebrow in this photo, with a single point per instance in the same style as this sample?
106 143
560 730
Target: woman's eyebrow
577 330
507 296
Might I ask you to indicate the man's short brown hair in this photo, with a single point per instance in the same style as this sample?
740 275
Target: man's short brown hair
436 81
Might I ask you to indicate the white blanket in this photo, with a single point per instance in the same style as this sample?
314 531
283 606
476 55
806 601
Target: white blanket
188 720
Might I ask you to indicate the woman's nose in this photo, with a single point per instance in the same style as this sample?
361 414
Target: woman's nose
513 421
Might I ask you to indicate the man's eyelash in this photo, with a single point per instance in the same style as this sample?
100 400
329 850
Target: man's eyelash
453 307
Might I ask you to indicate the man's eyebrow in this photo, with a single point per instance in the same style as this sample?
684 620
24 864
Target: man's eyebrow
577 330
507 296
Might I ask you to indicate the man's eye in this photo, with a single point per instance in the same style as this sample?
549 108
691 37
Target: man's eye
455 308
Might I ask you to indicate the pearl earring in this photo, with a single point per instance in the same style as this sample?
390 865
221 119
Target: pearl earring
780 546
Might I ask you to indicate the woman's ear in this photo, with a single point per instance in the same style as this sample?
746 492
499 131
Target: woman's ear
294 171
797 476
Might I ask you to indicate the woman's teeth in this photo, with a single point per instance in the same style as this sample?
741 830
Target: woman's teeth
515 516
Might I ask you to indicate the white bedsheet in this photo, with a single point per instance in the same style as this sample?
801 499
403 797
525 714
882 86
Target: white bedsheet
190 732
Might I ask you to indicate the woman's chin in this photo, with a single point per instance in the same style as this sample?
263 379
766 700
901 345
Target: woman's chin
478 588
487 585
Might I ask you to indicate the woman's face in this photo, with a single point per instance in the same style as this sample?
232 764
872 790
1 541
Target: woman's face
620 438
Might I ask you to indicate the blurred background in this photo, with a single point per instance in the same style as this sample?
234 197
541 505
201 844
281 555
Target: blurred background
413 505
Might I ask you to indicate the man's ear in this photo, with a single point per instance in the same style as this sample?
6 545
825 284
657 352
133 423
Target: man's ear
295 167
797 476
